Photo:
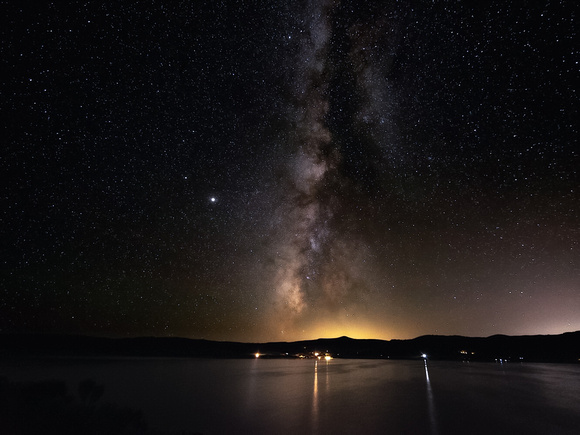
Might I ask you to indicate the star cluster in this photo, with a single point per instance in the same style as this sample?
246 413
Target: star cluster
254 171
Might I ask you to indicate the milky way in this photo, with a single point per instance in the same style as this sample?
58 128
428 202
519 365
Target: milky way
303 217
270 170
315 264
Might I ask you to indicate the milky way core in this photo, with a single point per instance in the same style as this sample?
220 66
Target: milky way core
318 258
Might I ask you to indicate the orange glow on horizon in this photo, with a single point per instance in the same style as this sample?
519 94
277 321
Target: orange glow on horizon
313 326
331 329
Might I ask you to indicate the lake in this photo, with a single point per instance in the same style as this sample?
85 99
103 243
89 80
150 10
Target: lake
282 396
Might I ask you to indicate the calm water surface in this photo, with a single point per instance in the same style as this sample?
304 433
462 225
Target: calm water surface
319 397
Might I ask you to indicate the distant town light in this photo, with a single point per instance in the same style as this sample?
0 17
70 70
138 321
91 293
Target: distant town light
257 354
424 355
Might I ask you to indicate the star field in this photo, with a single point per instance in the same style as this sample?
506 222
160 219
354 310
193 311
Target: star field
260 171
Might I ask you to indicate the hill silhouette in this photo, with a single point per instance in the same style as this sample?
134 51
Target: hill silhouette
537 348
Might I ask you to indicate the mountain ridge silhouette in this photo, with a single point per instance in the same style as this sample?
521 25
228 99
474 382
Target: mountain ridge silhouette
562 348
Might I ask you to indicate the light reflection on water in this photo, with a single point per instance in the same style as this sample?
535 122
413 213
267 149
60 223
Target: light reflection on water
430 402
318 365
338 396
315 399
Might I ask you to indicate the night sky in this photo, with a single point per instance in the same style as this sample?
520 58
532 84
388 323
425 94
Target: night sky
286 170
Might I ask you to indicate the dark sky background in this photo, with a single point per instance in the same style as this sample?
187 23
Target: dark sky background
285 170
